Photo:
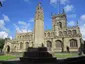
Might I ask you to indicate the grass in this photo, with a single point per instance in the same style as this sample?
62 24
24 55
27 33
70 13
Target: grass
66 55
7 57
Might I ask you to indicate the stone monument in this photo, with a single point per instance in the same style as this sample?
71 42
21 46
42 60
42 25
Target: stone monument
39 27
37 56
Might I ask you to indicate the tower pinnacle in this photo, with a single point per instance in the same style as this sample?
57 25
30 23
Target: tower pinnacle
77 23
63 11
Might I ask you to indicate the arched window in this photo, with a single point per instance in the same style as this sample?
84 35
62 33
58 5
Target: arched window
48 34
69 32
27 44
60 24
8 49
21 45
58 44
65 33
74 32
73 43
60 33
49 45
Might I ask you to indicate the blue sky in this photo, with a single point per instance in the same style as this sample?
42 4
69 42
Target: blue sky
17 15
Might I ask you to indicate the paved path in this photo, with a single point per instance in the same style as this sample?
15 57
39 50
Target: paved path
15 59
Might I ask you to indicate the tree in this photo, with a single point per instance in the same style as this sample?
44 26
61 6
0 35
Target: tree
2 41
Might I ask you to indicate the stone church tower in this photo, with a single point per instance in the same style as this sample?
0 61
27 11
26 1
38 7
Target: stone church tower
59 23
39 27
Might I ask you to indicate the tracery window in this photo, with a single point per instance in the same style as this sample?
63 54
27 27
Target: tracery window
60 24
73 43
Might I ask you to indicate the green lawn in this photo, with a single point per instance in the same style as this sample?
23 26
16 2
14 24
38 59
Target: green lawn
6 57
66 55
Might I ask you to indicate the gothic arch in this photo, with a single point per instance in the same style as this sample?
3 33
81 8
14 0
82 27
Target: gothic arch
60 33
21 45
60 24
48 34
73 43
59 45
69 32
74 32
8 49
27 45
49 45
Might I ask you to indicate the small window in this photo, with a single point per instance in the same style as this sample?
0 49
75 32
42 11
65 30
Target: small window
74 32
69 32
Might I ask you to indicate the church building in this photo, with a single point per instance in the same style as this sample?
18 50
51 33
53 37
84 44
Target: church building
59 39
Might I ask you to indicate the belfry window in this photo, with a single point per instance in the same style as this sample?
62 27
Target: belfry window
60 24
74 32
69 32
48 34
65 33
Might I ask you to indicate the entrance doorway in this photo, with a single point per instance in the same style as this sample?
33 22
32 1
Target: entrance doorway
8 49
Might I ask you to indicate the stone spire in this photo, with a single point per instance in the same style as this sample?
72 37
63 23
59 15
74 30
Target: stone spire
39 27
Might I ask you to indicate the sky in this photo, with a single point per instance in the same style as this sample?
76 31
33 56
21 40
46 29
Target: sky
18 15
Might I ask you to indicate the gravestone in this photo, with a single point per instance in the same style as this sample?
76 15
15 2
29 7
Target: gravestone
37 56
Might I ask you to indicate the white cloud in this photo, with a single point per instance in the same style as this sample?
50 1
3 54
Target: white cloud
69 8
2 26
5 17
82 29
3 34
57 1
71 16
10 37
29 30
2 0
22 23
17 28
53 1
23 27
31 20
2 23
82 17
71 23
64 1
